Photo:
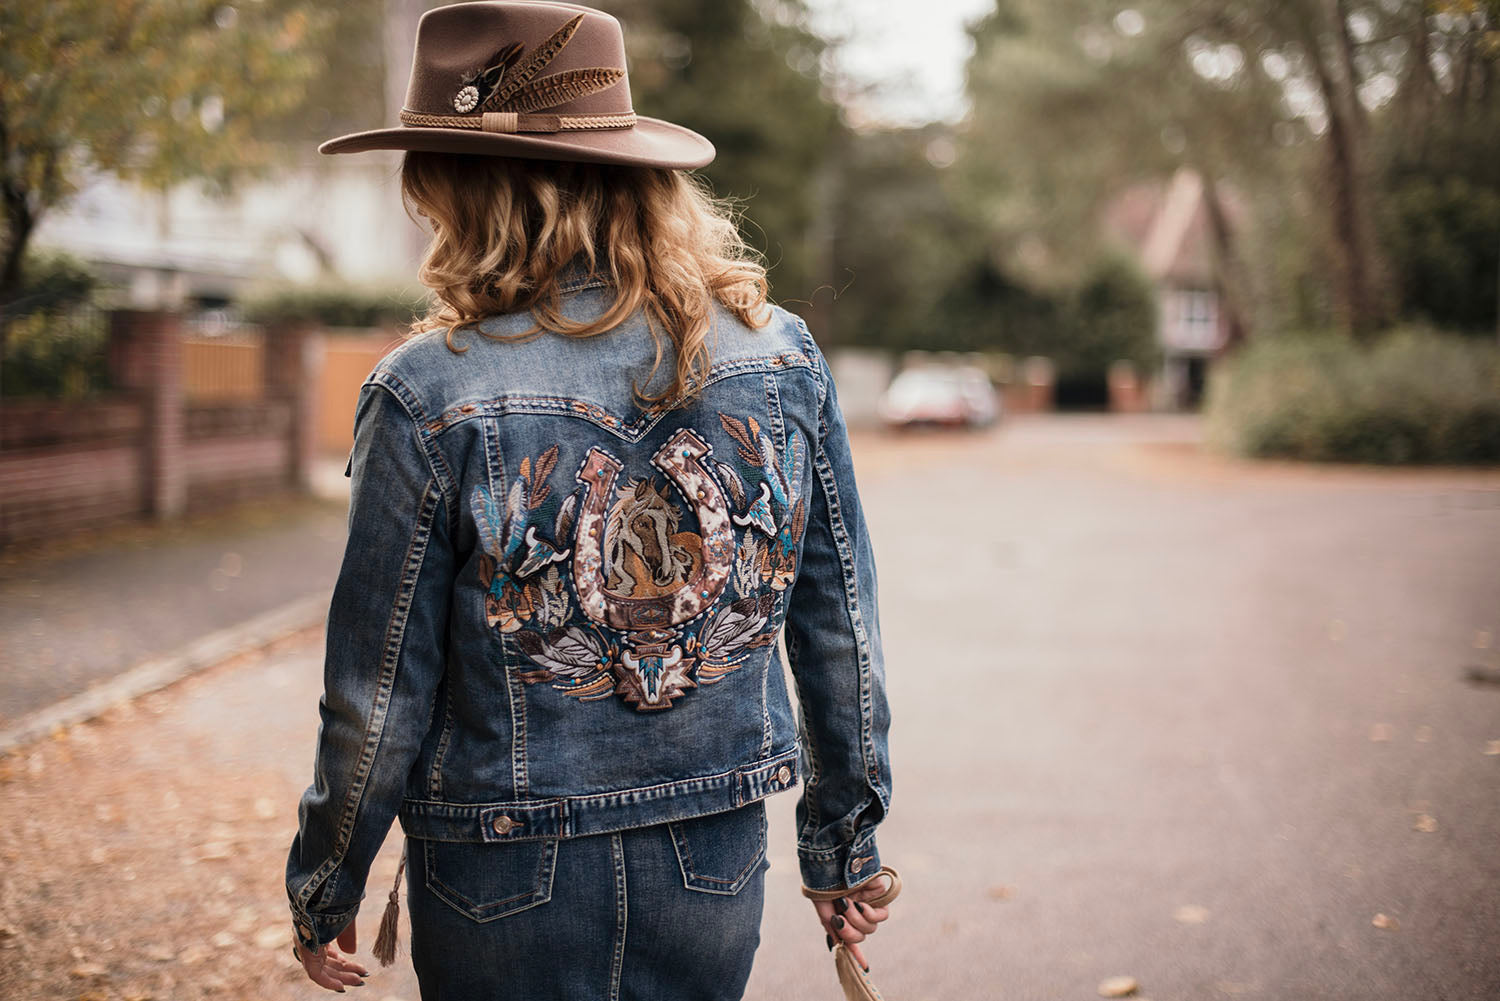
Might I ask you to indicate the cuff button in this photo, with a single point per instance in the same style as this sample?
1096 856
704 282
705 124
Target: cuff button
783 775
503 825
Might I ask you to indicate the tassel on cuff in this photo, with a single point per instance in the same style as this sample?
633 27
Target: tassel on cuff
385 941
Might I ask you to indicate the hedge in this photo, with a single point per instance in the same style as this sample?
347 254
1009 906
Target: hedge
1413 397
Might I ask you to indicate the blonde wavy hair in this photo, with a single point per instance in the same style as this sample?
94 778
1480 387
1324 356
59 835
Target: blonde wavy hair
504 231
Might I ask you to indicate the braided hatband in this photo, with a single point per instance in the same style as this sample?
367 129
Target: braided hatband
512 122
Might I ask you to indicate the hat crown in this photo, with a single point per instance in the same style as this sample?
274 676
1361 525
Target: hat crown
556 58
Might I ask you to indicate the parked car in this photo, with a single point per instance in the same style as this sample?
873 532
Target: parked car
956 396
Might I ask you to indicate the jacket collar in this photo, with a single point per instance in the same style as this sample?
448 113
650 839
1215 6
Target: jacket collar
576 275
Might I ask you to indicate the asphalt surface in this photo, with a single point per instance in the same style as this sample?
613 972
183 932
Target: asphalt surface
73 617
1197 722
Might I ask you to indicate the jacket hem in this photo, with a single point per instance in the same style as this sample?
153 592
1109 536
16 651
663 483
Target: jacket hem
601 813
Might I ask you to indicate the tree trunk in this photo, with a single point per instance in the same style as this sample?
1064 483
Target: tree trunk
1353 228
19 223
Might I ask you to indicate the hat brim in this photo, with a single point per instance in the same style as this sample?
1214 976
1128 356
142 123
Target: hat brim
651 142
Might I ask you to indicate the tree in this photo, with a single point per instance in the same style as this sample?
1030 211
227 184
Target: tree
753 86
155 90
1071 95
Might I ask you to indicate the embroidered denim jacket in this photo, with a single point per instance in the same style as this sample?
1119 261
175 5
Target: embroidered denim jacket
557 612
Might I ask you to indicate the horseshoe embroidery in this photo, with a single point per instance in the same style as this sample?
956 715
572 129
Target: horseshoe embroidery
656 620
680 458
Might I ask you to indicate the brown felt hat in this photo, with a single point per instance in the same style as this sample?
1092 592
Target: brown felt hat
530 79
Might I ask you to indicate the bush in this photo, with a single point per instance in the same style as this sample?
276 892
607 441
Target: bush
333 306
1414 397
1440 234
55 338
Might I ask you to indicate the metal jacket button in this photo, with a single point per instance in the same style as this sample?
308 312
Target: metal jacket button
783 775
503 825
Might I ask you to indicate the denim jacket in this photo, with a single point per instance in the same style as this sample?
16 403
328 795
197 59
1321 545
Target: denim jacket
557 612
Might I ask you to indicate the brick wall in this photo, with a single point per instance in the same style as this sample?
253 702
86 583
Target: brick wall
146 451
66 465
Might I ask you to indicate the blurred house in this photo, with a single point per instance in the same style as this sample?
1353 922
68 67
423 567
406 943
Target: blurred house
1169 227
318 219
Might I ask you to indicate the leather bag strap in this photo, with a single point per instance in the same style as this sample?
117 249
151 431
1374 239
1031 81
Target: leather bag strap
881 901
853 979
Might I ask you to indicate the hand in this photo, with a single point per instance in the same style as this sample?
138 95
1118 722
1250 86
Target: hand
850 920
329 967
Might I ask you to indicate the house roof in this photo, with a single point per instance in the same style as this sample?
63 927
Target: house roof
1167 225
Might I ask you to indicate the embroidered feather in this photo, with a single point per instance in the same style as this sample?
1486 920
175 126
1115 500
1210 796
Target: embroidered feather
540 56
749 450
732 481
568 653
536 477
563 527
560 88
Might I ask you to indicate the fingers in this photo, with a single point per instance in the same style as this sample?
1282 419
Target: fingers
348 938
347 962
314 968
859 956
330 969
859 920
847 927
877 887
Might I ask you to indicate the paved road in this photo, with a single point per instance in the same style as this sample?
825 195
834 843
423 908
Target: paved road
72 618
1157 715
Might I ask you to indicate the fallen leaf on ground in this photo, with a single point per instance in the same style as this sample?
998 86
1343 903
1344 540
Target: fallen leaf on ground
999 892
1478 674
272 937
1492 748
1191 914
1118 987
224 940
192 954
160 954
86 970
214 850
1385 922
1426 823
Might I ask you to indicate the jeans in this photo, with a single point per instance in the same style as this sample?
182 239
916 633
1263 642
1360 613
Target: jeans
665 912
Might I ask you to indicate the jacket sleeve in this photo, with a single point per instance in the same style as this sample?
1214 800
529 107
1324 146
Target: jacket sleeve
385 656
833 645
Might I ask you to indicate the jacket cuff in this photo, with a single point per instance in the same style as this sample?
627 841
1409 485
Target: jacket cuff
840 868
314 930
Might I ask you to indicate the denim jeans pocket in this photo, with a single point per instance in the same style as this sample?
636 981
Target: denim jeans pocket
486 881
721 852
